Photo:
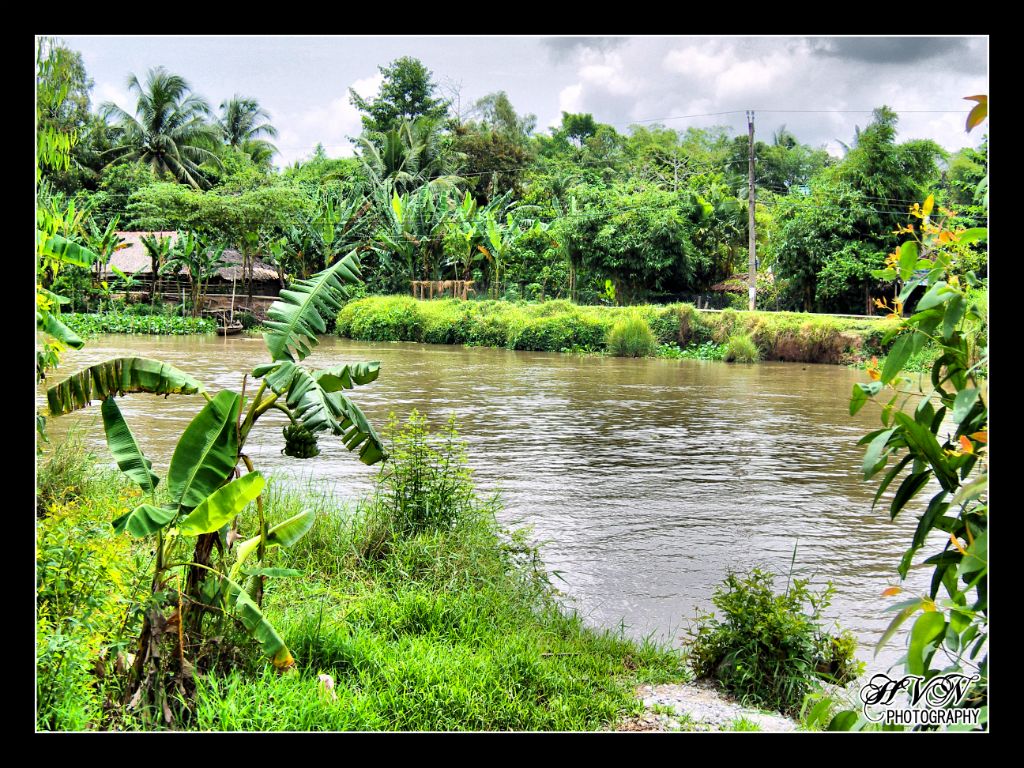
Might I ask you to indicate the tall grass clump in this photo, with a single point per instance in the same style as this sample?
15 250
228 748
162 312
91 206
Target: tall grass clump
64 473
631 336
740 348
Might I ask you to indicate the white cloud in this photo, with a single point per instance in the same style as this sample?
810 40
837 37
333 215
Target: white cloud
569 100
690 61
329 124
754 77
103 92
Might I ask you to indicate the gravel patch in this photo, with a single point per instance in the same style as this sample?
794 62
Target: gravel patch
698 706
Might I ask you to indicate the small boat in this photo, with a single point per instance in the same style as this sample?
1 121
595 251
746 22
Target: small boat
229 330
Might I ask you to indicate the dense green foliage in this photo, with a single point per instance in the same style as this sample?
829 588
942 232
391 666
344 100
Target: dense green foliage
939 424
769 649
582 212
119 322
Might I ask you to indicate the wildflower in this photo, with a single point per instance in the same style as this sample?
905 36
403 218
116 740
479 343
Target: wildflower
966 447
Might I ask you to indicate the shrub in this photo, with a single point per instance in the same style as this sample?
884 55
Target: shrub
425 483
769 650
739 301
386 318
87 586
741 349
631 337
689 324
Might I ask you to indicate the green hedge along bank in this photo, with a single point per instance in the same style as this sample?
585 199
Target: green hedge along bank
561 326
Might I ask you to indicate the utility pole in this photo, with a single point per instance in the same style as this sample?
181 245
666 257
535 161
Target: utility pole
752 248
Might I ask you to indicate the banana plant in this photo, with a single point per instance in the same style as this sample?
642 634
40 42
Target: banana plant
105 242
206 491
201 258
158 249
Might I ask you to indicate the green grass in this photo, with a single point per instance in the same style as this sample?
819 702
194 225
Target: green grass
561 326
742 724
449 625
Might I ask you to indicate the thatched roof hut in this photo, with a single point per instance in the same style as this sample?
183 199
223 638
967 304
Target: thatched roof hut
133 259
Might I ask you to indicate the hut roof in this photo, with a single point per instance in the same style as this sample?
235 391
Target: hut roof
132 258
232 269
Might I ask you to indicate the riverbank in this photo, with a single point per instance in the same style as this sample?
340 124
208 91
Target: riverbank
561 326
447 628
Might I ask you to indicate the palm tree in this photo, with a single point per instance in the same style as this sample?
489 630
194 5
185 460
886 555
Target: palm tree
243 123
170 132
409 155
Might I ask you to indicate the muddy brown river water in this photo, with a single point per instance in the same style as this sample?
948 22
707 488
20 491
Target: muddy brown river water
646 480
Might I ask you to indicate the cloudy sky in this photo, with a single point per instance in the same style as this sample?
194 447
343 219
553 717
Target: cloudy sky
820 88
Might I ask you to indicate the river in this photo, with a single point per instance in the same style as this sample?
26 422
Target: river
645 480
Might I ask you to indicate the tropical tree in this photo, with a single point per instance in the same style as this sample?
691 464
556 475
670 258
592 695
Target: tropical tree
638 237
406 93
64 76
169 131
409 155
410 234
244 124
57 224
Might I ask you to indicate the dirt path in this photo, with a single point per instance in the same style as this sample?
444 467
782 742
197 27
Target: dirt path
699 707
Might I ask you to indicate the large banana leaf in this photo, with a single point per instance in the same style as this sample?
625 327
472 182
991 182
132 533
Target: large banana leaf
117 377
314 399
222 505
144 520
51 324
347 376
257 625
127 453
64 250
284 534
296 319
206 453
